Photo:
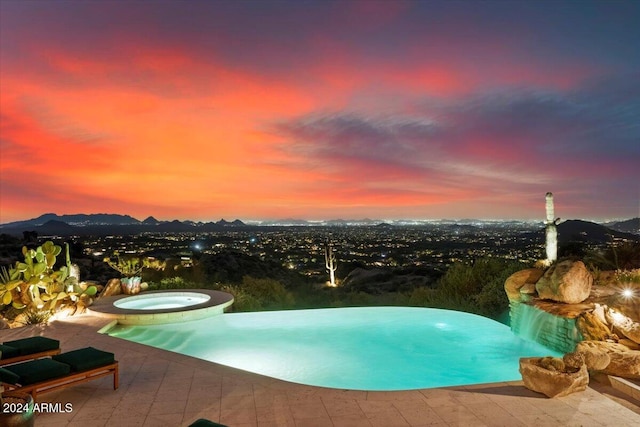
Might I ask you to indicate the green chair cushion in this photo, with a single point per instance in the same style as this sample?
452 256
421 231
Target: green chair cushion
33 345
202 422
7 352
35 371
85 359
6 376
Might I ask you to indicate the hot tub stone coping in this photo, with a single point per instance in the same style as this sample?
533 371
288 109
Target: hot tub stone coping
217 302
156 295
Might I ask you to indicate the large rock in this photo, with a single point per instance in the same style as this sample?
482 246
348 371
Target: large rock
627 342
573 360
113 288
592 327
595 356
623 362
567 281
624 325
552 379
517 280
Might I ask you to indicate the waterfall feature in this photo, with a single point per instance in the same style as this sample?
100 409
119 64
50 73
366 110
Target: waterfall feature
555 332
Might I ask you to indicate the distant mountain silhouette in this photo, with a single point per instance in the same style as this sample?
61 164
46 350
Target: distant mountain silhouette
575 230
628 226
76 219
578 230
104 224
151 221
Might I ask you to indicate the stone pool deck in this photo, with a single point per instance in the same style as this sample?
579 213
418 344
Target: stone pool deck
160 388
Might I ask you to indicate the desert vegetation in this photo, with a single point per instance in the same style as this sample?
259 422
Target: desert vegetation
265 284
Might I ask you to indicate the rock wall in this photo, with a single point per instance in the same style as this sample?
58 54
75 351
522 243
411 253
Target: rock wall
557 333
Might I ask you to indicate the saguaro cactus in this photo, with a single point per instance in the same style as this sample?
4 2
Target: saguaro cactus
331 263
551 232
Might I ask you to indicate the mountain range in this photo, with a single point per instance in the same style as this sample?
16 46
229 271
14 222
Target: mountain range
101 224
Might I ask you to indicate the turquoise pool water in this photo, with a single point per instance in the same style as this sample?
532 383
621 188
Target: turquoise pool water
161 301
363 348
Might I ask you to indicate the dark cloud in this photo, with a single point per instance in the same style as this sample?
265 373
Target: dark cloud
510 135
353 135
599 119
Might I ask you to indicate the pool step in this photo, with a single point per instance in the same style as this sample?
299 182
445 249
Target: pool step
629 387
169 340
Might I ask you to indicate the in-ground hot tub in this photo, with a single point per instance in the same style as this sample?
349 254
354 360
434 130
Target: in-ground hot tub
162 300
156 307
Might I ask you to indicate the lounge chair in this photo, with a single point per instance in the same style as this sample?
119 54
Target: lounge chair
27 349
59 371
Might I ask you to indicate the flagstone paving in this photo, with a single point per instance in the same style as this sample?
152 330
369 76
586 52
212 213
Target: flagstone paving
160 388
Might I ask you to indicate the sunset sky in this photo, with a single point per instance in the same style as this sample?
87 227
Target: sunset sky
266 109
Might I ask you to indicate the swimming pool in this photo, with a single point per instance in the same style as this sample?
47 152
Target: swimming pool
362 348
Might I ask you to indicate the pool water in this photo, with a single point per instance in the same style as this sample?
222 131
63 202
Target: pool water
160 301
363 348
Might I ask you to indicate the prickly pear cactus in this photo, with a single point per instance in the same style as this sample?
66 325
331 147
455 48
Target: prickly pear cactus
35 284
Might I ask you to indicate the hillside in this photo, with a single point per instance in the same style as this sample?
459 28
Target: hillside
575 230
628 226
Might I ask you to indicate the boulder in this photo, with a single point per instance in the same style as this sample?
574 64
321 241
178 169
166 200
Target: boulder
517 280
528 290
623 362
552 379
567 281
598 311
113 288
623 325
628 343
573 360
591 327
595 356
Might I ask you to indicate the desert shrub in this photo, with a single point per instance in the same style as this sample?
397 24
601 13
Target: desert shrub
174 283
242 300
421 297
353 299
625 256
475 288
307 296
271 293
625 277
231 267
259 294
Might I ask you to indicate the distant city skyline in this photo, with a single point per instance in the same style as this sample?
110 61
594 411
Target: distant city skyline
314 110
